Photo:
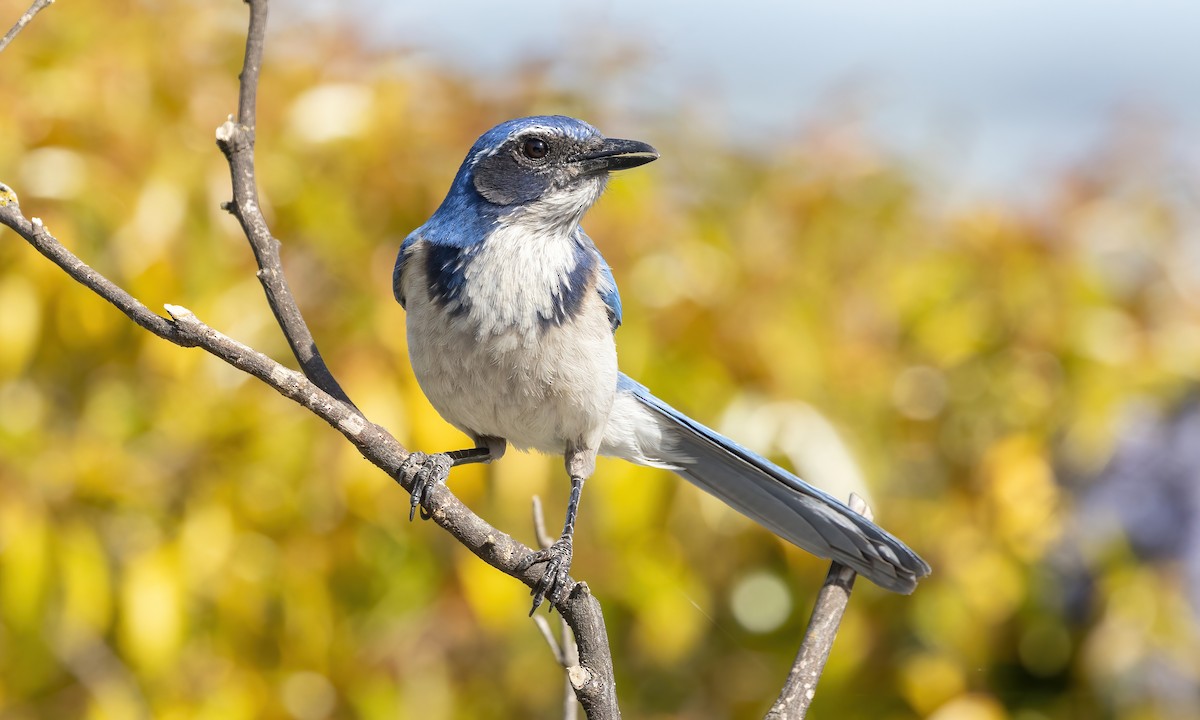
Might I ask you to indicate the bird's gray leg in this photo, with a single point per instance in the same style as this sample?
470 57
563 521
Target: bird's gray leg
580 462
427 470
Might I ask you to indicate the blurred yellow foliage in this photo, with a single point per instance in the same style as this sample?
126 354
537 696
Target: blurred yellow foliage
151 598
176 541
929 680
1023 496
970 707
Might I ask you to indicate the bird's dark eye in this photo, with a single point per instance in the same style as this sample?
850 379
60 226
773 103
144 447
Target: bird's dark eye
535 148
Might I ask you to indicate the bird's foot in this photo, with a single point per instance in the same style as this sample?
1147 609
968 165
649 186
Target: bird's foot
555 581
424 471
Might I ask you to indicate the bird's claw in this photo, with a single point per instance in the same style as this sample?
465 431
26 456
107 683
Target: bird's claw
424 471
555 581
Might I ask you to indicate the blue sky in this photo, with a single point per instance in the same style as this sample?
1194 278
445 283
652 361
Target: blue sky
993 94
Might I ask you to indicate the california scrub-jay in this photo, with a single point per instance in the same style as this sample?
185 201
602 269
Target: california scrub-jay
511 312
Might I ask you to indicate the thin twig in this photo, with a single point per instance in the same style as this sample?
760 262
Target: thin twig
539 525
236 140
34 9
570 660
543 626
801 684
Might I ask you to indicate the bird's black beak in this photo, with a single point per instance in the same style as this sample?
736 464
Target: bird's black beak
616 154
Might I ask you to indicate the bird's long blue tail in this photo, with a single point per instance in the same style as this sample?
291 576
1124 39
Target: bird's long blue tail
646 430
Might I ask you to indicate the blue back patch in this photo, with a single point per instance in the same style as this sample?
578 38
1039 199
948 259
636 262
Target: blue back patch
445 267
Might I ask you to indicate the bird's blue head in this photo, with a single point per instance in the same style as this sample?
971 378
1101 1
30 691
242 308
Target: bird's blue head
551 167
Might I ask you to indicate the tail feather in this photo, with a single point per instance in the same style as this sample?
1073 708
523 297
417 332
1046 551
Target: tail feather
649 431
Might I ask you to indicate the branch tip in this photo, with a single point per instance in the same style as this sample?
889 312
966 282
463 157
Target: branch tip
179 312
860 506
25 19
8 196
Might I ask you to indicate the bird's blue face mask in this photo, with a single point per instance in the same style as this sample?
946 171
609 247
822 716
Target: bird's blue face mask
545 156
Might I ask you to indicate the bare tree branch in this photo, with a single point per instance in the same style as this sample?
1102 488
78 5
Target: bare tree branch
25 19
236 140
583 650
801 684
591 676
592 679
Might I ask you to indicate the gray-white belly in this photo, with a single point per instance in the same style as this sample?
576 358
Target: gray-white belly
535 388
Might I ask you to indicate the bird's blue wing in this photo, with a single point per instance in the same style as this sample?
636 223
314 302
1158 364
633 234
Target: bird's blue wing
757 488
606 285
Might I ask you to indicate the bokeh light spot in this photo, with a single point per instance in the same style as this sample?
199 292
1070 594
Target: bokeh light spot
761 602
308 696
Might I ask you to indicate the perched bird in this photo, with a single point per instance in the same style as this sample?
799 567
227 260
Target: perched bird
511 312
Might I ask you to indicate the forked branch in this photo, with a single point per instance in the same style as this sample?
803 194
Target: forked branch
589 664
316 389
